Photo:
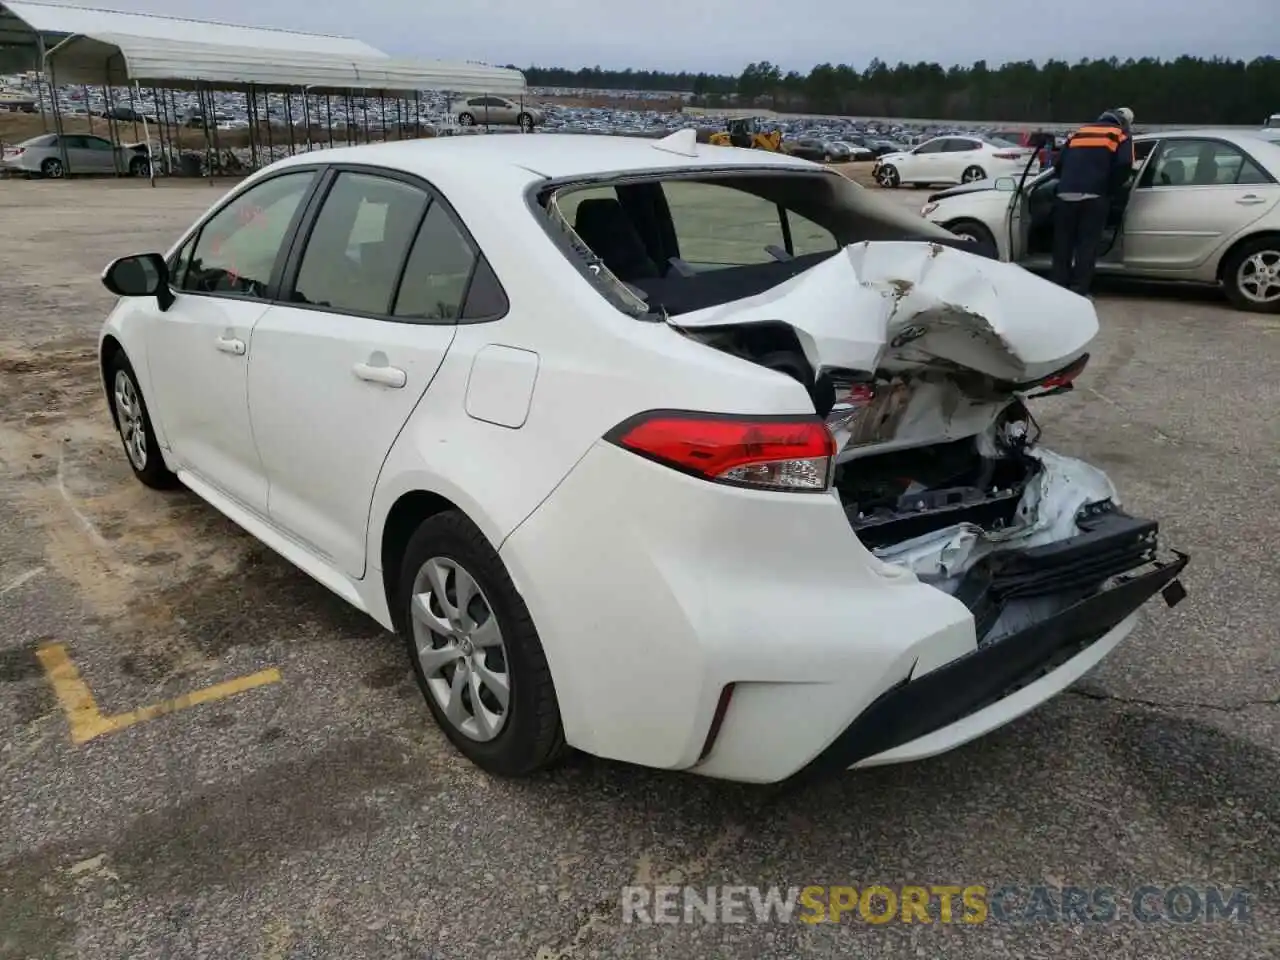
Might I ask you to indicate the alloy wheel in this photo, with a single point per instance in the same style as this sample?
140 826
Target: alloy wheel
459 644
972 175
1259 277
52 168
129 418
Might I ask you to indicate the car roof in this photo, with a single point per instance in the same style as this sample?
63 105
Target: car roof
546 155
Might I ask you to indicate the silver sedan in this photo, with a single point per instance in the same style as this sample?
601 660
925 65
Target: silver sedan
1203 207
498 111
43 156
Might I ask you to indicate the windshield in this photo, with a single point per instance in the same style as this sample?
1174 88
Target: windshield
1273 122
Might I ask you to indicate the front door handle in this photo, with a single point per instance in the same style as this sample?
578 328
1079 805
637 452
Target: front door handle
392 377
1250 199
231 345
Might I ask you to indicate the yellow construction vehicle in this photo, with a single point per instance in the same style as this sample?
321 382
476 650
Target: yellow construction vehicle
749 132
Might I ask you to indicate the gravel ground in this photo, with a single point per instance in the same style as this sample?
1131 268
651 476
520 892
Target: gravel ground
324 816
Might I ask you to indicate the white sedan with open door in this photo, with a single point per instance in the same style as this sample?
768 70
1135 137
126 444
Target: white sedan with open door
695 457
1203 208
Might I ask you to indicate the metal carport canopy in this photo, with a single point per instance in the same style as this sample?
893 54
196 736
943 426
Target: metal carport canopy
121 59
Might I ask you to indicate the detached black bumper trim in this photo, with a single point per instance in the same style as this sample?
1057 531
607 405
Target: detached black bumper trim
992 672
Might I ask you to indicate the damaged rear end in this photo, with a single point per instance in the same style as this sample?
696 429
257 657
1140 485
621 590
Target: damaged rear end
924 361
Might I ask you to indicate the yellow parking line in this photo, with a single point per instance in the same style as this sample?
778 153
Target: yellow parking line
87 721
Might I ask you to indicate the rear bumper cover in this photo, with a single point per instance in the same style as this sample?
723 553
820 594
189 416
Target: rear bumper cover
995 670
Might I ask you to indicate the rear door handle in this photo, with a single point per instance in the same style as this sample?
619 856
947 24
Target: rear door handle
392 377
231 345
1250 199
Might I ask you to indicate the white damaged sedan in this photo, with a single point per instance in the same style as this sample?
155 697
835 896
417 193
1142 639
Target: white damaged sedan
693 457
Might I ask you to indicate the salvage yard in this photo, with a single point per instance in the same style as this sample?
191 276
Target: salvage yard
205 753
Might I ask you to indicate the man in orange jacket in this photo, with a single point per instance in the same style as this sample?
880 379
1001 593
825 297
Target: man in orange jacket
1093 167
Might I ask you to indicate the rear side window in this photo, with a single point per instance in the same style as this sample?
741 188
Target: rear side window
237 248
436 274
358 244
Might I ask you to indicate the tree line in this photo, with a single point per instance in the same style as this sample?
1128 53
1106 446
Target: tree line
1189 90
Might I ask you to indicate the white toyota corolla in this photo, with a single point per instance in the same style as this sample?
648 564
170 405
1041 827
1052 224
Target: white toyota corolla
689 456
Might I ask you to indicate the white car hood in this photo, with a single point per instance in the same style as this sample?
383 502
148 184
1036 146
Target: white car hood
902 304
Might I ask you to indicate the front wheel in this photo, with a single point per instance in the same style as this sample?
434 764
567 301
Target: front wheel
133 422
525 122
475 651
138 167
976 233
973 174
887 176
1251 276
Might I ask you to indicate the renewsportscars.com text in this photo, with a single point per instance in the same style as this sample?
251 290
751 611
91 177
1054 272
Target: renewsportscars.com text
935 903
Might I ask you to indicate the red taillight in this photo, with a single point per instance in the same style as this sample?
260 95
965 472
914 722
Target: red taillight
1063 379
771 453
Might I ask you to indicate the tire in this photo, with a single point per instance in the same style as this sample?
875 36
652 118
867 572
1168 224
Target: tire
526 735
1251 275
52 168
887 176
973 174
138 167
525 122
129 413
466 119
975 231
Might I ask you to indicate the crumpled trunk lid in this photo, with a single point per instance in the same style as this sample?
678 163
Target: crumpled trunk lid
906 304
922 343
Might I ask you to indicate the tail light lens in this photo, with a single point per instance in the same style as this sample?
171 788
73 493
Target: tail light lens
766 453
1058 382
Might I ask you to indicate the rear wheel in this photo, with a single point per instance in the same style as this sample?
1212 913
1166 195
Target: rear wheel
887 176
1251 276
475 651
52 167
466 120
973 174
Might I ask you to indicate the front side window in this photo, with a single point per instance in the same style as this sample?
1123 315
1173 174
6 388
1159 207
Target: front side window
358 244
236 250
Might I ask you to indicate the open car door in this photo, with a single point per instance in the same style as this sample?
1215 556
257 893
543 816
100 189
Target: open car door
1018 216
1113 234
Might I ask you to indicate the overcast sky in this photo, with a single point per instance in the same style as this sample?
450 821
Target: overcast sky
725 35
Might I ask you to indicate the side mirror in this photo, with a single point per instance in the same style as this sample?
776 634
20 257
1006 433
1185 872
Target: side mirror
140 275
1005 184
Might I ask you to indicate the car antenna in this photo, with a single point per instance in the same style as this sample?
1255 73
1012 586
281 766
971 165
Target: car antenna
682 142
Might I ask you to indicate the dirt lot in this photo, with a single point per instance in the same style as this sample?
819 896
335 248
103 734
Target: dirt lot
317 813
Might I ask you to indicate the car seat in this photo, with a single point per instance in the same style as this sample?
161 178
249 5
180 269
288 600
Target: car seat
604 226
1173 174
1206 166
